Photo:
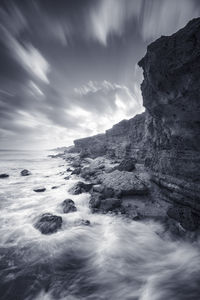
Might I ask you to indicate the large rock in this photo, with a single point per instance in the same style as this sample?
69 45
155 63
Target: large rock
68 206
25 172
124 183
98 204
80 187
48 223
127 164
4 175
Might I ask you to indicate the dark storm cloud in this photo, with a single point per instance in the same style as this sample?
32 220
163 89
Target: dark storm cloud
68 68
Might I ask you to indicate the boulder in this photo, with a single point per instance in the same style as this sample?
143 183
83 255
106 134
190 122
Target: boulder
127 164
69 170
109 204
95 201
80 187
4 175
25 172
40 189
123 183
68 206
67 177
54 187
48 223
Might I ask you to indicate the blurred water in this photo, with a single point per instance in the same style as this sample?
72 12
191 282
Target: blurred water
111 259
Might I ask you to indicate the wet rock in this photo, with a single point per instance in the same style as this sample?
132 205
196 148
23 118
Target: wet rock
123 183
4 175
25 172
95 201
83 222
68 206
185 216
98 188
127 165
76 164
48 223
54 187
80 187
76 171
109 204
40 189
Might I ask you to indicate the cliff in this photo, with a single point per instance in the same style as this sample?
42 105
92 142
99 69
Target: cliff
171 95
167 136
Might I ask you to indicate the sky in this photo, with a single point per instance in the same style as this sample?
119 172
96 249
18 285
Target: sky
68 68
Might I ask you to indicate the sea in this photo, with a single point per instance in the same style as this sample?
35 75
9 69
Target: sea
112 259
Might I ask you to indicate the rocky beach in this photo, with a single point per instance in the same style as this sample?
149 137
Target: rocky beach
117 215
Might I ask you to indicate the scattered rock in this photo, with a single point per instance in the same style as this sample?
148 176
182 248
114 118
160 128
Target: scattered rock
68 206
76 171
80 187
40 189
48 223
25 172
127 164
185 216
83 222
54 187
4 175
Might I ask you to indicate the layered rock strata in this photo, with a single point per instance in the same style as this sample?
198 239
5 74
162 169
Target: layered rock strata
167 136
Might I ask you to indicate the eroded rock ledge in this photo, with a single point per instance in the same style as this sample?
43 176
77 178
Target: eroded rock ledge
166 138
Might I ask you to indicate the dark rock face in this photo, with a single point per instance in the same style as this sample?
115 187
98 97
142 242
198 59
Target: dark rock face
185 216
68 206
91 146
25 172
126 139
171 90
40 189
127 164
48 223
80 187
4 175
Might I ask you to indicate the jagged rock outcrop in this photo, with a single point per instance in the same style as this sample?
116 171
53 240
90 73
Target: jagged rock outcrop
167 136
171 94
93 146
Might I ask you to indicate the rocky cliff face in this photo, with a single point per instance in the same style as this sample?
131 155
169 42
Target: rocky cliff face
171 94
93 146
167 135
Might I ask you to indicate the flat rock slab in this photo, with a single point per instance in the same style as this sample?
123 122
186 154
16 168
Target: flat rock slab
126 183
40 189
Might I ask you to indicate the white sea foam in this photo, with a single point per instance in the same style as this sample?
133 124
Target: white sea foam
111 259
